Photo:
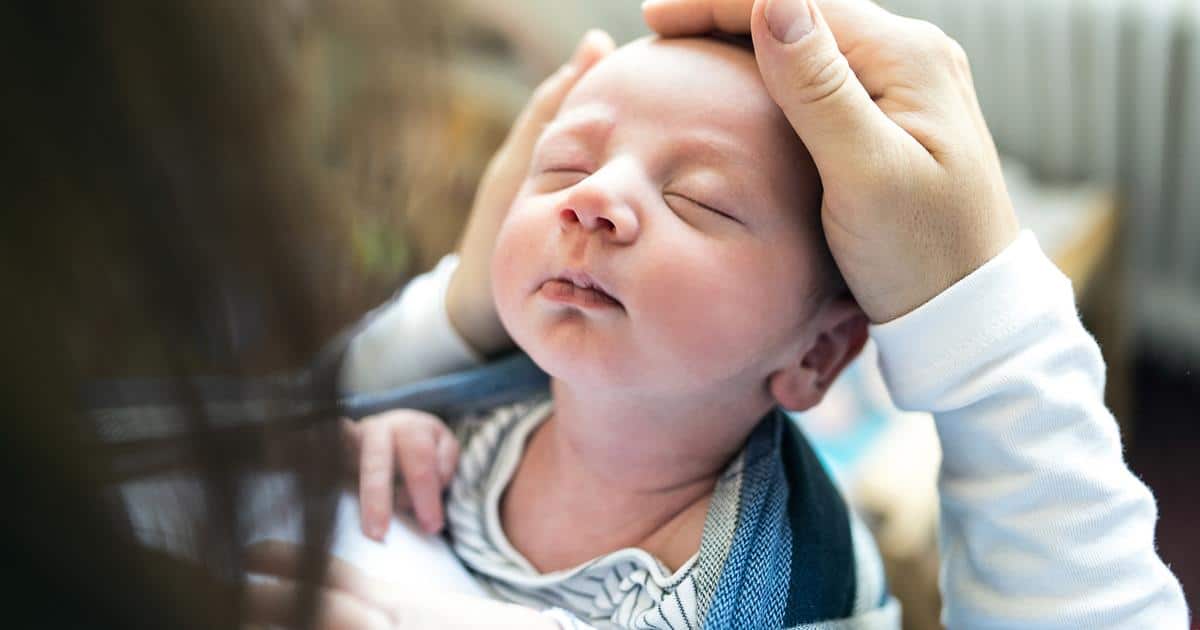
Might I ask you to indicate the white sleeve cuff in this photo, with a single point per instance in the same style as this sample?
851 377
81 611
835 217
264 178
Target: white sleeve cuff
935 346
409 338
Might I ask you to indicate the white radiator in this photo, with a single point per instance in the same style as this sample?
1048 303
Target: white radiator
1103 90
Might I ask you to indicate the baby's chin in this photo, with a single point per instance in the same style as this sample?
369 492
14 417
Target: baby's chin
578 359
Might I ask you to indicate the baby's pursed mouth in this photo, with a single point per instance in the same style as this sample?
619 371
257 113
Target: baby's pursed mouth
579 289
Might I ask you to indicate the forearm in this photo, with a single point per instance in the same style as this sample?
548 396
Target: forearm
1043 524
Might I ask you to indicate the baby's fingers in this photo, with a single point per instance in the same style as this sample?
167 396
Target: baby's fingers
427 461
376 476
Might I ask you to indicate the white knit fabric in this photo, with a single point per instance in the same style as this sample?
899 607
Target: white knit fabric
1043 524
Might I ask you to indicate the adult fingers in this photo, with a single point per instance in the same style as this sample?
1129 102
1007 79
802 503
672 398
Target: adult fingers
812 81
852 22
682 18
507 169
548 96
376 478
678 18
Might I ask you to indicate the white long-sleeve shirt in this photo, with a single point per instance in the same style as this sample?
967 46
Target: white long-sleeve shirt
1043 524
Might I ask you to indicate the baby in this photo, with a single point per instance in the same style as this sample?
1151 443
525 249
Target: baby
664 263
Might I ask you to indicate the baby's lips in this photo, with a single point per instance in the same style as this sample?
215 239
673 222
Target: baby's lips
565 291
583 279
580 286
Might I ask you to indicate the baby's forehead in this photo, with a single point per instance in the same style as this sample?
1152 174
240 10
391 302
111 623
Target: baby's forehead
689 81
692 103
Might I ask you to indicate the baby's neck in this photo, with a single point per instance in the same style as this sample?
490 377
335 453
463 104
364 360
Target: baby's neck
604 474
648 446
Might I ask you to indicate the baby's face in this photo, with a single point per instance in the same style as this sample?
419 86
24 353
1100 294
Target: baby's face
664 240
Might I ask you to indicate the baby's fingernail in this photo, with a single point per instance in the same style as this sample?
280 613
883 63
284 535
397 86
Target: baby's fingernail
789 20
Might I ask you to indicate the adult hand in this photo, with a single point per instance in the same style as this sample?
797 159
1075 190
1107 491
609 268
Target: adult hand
469 296
351 599
914 196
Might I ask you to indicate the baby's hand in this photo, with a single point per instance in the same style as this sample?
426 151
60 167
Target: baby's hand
414 444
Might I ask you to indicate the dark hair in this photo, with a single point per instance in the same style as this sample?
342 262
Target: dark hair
179 189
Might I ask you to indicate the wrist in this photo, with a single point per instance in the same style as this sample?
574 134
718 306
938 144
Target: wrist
940 268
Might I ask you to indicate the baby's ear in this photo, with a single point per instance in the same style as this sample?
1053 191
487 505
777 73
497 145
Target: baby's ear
840 329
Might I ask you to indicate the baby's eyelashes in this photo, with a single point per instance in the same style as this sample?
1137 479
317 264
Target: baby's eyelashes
686 204
556 178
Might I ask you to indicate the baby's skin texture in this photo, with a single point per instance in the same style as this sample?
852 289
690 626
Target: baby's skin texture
663 263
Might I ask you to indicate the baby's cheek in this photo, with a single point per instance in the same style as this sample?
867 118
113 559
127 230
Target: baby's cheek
707 313
511 261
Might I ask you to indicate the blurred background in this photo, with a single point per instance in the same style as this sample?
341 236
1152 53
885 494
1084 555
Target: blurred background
1095 106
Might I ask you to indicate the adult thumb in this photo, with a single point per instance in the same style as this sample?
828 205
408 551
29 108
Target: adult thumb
814 85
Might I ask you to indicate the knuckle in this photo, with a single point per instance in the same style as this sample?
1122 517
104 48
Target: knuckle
955 49
823 77
927 38
926 30
422 453
958 55
422 473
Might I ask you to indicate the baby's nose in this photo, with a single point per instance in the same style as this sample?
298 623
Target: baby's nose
597 213
616 225
589 220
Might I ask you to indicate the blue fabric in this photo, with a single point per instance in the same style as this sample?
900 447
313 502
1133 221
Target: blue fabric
792 558
823 577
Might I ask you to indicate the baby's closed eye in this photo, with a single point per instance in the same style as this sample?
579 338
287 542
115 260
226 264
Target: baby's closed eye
560 161
688 205
558 177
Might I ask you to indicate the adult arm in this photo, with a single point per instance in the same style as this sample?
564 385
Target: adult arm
1043 523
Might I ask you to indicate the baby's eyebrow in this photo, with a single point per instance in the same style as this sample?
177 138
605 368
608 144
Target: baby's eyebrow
716 150
586 120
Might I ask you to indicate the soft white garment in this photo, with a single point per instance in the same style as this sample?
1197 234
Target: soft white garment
1043 524
164 509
